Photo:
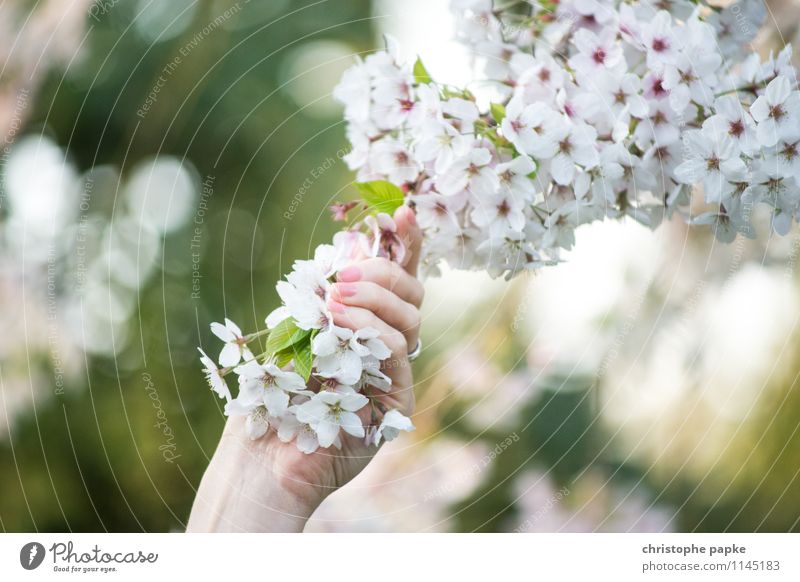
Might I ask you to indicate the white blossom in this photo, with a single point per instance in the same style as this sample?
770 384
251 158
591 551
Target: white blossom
714 160
777 112
303 435
328 412
600 110
235 348
392 424
267 385
214 376
335 354
469 173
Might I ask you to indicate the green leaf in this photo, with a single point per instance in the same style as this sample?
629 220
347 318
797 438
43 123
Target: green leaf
283 358
498 112
287 354
285 334
421 74
381 196
303 359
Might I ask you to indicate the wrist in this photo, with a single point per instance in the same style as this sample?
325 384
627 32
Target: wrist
241 492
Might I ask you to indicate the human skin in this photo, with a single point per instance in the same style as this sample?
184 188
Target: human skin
270 486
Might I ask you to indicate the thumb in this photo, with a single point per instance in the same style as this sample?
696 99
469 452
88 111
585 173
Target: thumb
409 232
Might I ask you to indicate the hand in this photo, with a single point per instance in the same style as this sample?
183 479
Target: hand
267 485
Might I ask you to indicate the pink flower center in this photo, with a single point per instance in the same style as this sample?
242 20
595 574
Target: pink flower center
789 151
776 112
658 88
544 75
503 208
662 153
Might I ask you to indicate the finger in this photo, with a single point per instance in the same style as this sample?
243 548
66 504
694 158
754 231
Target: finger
397 366
388 275
395 312
410 233
356 318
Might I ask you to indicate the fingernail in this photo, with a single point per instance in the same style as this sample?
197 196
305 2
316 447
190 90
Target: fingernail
412 216
336 307
349 274
345 289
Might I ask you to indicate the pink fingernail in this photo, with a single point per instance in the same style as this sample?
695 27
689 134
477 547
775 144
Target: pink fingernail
345 289
336 307
412 217
349 274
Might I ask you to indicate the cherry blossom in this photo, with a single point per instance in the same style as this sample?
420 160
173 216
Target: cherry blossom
328 412
392 424
714 159
731 118
576 145
267 385
383 237
335 354
531 128
235 348
469 173
303 435
593 109
214 376
777 111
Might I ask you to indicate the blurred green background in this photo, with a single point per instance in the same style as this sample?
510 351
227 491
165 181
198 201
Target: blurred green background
165 161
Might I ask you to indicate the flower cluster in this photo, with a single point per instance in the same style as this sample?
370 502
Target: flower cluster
335 372
602 109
